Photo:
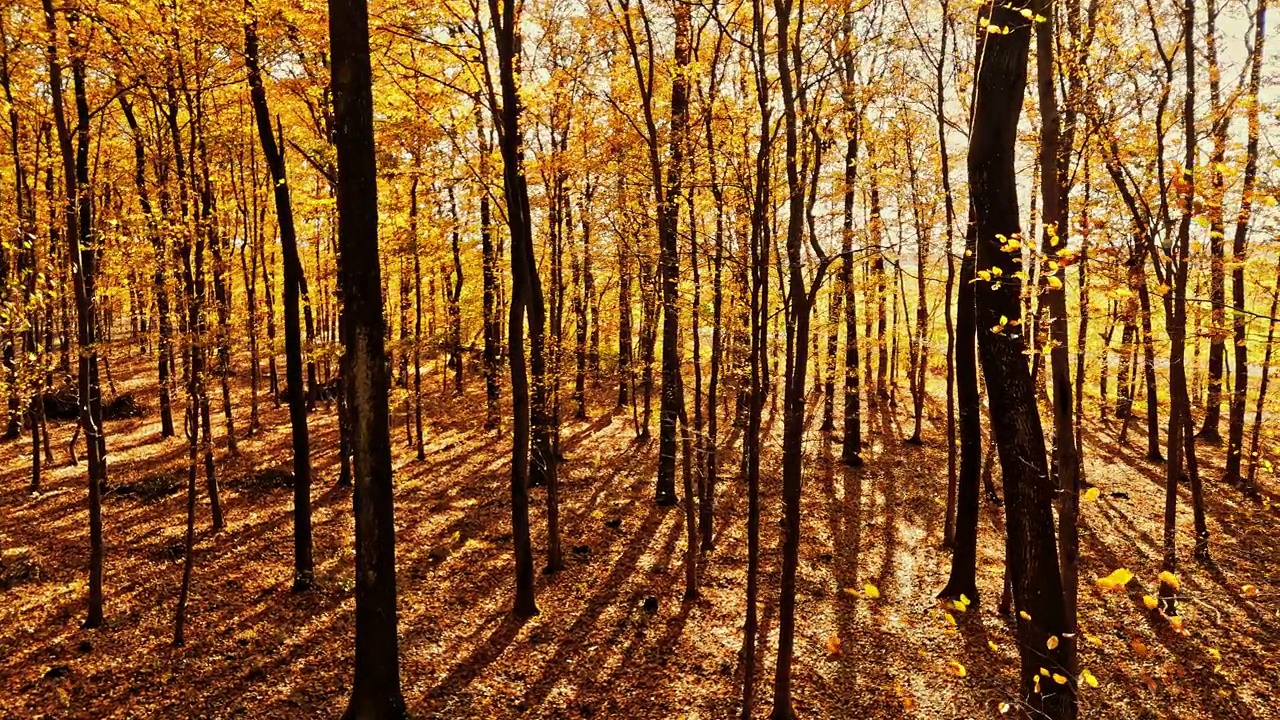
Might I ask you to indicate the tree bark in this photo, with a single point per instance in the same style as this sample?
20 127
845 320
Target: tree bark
304 568
366 367
1030 547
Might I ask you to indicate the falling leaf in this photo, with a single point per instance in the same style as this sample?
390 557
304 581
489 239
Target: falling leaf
1093 640
1024 615
1213 653
833 645
1170 579
1151 601
871 591
1052 642
1140 648
1088 679
1091 495
1004 708
1060 679
994 647
1116 580
1249 591
957 669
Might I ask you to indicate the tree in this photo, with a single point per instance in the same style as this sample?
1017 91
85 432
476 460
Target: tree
1032 557
375 693
505 21
82 245
274 155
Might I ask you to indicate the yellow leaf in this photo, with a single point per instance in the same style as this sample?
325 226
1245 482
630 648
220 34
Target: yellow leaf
1213 653
951 620
871 591
833 645
1024 615
994 647
1052 642
1091 495
1116 580
1044 672
959 606
1004 708
1150 601
1170 579
964 600
1175 621
1060 679
1054 282
958 669
1088 679
1249 591
1093 640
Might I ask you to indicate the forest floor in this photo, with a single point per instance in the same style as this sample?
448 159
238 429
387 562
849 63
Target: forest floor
257 650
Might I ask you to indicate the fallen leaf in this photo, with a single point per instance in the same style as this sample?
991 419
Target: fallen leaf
1116 580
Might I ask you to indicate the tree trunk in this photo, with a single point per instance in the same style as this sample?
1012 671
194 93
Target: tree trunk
1235 430
1030 548
511 141
375 692
303 569
82 247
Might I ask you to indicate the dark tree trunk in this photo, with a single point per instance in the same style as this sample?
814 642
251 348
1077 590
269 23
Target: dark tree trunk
626 373
304 569
511 141
1031 548
160 253
851 441
417 320
375 693
454 294
669 201
1235 429
1055 188
1220 126
489 261
82 247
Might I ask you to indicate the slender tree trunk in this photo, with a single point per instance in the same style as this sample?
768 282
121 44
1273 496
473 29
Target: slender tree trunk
510 141
1220 126
489 269
1255 437
303 570
417 320
82 246
1235 430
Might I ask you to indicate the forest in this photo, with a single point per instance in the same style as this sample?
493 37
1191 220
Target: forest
655 359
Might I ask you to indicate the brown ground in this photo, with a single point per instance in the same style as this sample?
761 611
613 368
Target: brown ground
256 650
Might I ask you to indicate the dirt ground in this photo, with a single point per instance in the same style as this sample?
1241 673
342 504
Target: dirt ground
257 650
